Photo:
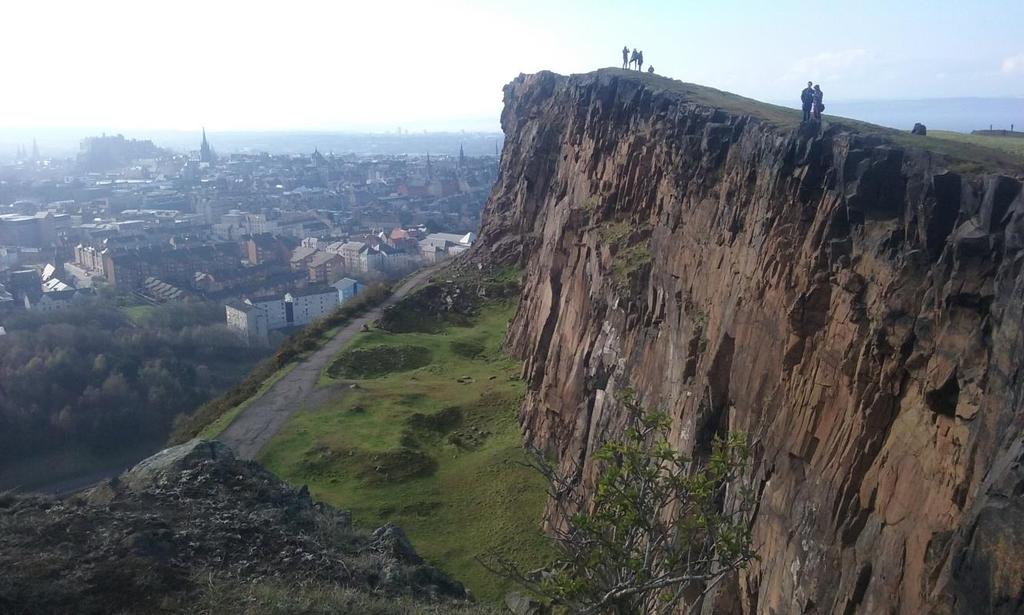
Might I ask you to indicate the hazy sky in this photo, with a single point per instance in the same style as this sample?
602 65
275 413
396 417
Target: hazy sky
378 64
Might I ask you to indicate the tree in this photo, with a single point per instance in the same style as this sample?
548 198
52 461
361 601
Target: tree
660 530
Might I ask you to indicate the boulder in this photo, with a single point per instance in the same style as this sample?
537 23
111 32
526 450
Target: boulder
392 541
173 461
523 604
919 129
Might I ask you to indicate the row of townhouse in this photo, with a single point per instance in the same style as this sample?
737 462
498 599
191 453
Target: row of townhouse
330 262
256 317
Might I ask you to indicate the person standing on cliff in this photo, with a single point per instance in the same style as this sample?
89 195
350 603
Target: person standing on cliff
650 69
819 106
632 59
625 58
640 61
807 100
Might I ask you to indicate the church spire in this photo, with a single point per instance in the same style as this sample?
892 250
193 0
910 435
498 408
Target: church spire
205 152
462 157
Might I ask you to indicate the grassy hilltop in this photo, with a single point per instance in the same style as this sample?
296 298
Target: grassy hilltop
965 153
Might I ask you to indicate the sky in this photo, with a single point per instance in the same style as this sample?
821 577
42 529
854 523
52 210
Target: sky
439 65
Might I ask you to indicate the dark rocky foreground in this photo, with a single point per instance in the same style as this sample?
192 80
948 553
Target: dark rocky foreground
194 529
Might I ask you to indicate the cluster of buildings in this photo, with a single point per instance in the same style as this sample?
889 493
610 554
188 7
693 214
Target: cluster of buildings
256 317
268 235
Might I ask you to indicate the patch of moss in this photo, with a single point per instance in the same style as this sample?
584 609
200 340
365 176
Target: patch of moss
377 361
469 349
441 421
373 468
396 466
630 260
614 233
629 254
590 204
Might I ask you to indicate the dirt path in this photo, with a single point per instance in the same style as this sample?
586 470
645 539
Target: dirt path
265 415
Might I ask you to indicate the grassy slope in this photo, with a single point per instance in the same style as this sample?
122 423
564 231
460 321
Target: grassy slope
479 499
1013 145
966 154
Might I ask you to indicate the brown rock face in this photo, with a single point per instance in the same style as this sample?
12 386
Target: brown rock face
854 307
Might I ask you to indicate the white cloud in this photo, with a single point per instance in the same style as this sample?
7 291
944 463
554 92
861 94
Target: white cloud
1013 64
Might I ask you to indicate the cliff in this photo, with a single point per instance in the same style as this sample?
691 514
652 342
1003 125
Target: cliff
195 530
851 302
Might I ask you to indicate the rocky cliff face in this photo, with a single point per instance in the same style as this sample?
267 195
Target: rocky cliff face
852 305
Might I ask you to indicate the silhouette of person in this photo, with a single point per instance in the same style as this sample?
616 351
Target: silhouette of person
819 106
650 69
807 100
632 59
625 57
640 60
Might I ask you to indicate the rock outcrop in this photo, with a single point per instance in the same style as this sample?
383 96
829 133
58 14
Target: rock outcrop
194 526
853 305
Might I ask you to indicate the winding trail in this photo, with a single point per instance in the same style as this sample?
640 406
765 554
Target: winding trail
266 414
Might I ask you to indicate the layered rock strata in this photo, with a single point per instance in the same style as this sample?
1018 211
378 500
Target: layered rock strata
854 306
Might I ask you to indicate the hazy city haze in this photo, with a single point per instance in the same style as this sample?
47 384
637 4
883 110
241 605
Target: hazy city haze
441 65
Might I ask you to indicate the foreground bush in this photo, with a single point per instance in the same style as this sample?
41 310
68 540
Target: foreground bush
660 531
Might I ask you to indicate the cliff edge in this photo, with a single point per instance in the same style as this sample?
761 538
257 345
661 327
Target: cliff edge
852 302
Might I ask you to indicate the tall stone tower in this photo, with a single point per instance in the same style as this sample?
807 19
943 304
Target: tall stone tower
205 151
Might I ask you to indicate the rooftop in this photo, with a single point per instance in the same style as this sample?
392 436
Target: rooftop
322 258
318 290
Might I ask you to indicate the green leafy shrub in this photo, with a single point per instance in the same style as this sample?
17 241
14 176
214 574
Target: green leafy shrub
660 530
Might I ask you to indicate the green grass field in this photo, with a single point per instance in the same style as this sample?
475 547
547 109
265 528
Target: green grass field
139 312
429 439
1012 145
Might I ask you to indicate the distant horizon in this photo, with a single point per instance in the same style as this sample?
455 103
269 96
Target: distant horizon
63 143
473 126
953 113
454 125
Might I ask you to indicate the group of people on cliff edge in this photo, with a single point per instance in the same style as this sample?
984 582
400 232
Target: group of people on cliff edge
811 100
636 58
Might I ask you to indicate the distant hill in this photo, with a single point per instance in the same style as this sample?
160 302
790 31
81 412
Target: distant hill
64 142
